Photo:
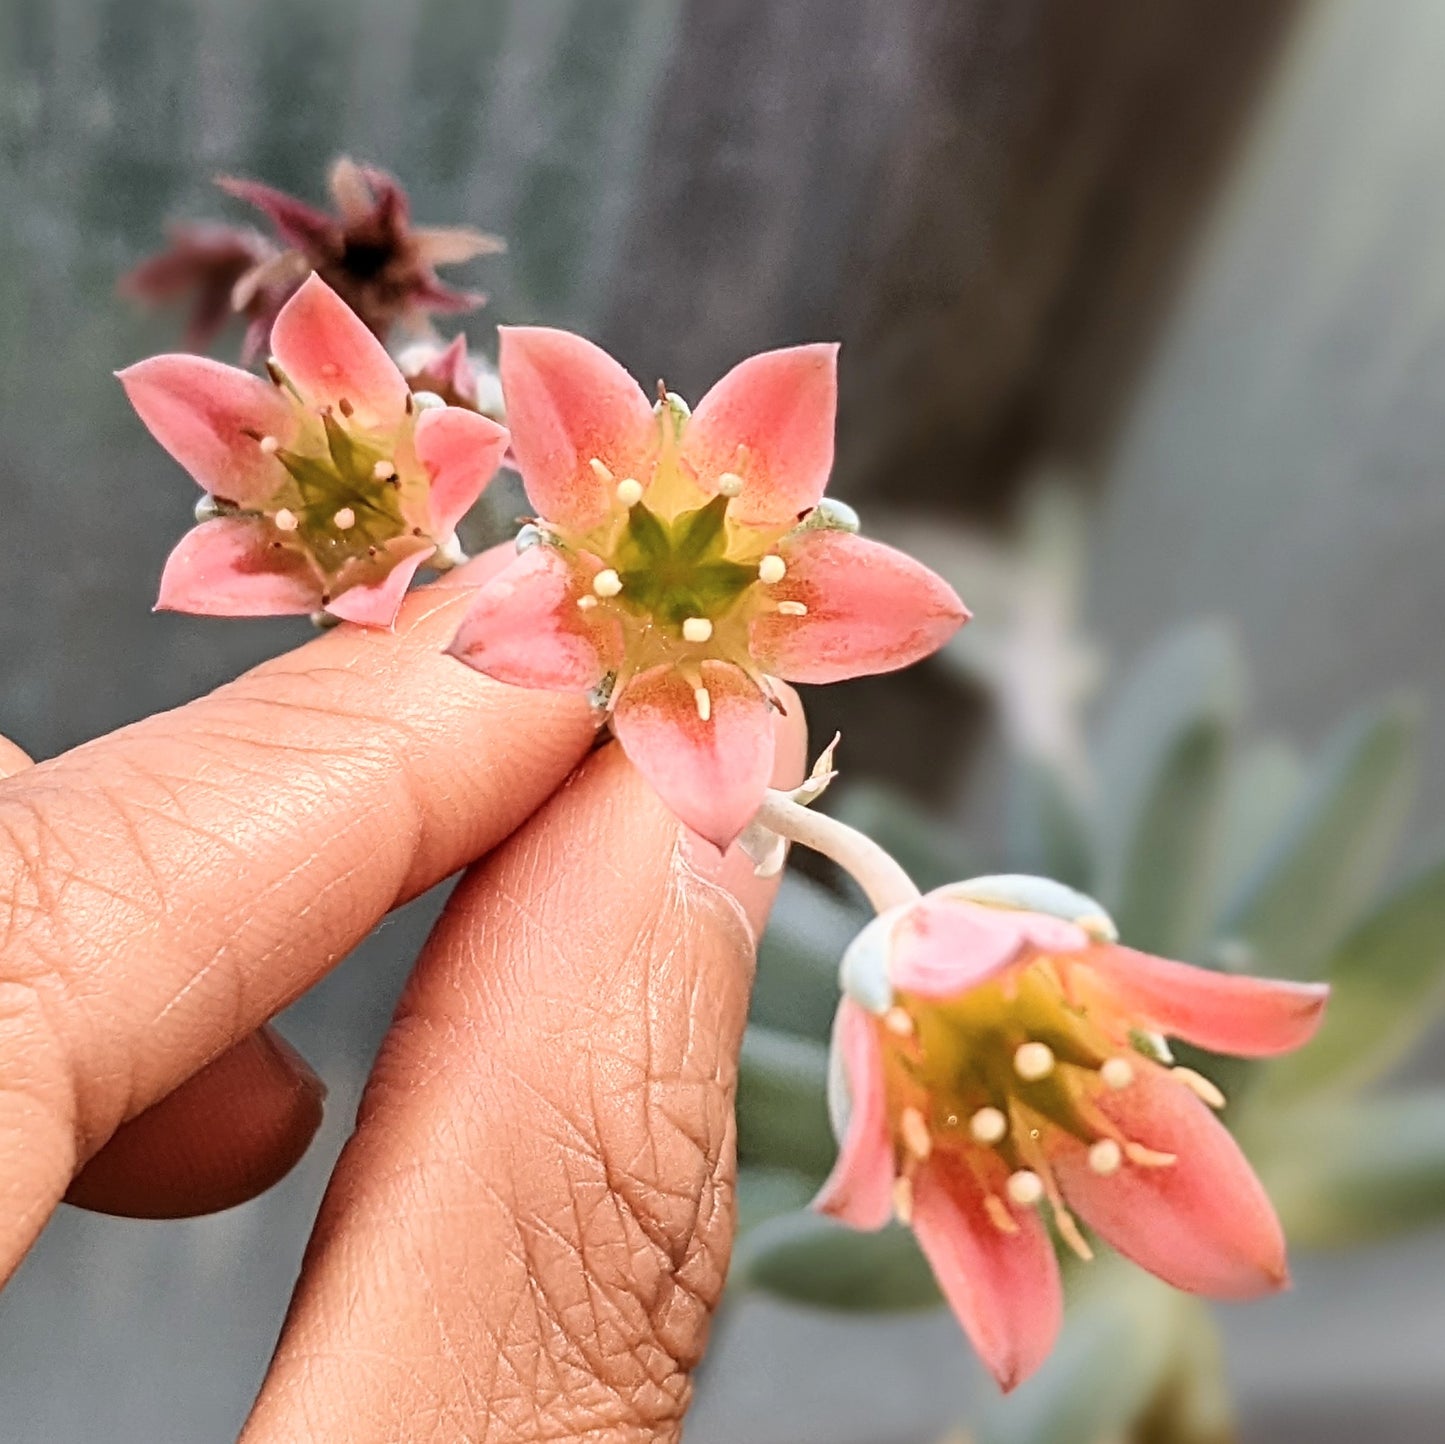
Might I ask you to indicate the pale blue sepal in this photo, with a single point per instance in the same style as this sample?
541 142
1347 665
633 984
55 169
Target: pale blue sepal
1037 895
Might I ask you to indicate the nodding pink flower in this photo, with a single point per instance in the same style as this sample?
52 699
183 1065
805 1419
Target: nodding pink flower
682 558
327 485
369 252
452 372
997 1053
201 266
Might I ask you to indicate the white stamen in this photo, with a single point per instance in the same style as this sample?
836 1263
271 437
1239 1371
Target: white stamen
988 1126
345 519
607 583
601 470
1069 1232
1149 1157
629 491
897 1021
1025 1187
1105 1157
270 445
1203 1088
792 609
772 569
286 520
903 1199
1033 1061
586 603
703 698
1117 1073
696 629
999 1215
913 1127
383 471
729 483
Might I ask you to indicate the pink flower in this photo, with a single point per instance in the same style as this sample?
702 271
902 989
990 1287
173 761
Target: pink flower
681 558
369 252
453 373
998 1050
328 485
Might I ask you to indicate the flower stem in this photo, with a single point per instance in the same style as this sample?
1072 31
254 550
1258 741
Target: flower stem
884 883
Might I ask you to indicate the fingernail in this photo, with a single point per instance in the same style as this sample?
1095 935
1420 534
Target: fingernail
277 1053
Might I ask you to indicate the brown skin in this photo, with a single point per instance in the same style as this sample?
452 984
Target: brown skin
526 1235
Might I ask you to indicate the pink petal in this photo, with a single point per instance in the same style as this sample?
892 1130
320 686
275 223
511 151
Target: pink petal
859 1190
228 568
330 356
1004 1288
943 946
1250 1017
780 408
461 452
211 417
567 402
526 628
1204 1223
377 603
711 774
870 609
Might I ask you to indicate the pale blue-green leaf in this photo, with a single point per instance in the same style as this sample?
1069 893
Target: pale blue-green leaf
1312 881
807 1259
1343 1173
765 1193
782 1103
1046 832
1264 784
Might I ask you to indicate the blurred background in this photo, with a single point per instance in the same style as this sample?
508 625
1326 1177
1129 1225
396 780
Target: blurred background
1143 312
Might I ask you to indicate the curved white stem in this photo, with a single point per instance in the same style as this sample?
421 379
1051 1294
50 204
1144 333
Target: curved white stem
884 883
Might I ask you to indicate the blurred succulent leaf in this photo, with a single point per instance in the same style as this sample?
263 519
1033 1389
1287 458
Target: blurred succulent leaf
765 1193
1387 981
808 1259
1348 1172
782 1102
1119 1343
930 851
1311 883
1046 831
1264 785
1164 892
797 981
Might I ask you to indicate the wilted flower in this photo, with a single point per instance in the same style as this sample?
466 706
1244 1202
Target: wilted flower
680 559
369 252
202 266
996 1051
328 485
451 371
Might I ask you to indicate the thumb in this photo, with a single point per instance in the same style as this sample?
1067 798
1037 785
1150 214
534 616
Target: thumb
528 1233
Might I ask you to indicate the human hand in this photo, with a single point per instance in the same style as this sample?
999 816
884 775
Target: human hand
526 1234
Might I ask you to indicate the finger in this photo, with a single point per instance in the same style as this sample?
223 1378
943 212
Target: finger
225 1135
528 1232
13 759
167 889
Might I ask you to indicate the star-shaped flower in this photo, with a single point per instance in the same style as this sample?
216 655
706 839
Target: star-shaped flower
327 485
680 559
997 1050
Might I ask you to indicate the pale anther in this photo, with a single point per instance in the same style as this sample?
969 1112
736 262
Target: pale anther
792 609
696 629
988 1125
1203 1088
1025 1187
703 698
270 445
1105 1157
903 1199
382 471
897 1021
586 603
772 569
601 470
286 520
1033 1061
344 519
916 1137
607 583
729 483
1117 1073
629 491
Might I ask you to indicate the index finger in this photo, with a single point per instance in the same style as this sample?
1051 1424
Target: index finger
166 889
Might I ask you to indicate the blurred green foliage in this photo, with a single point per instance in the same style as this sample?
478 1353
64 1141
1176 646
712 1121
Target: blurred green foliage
1226 851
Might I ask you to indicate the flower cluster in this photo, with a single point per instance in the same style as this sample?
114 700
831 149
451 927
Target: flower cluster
997 1050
